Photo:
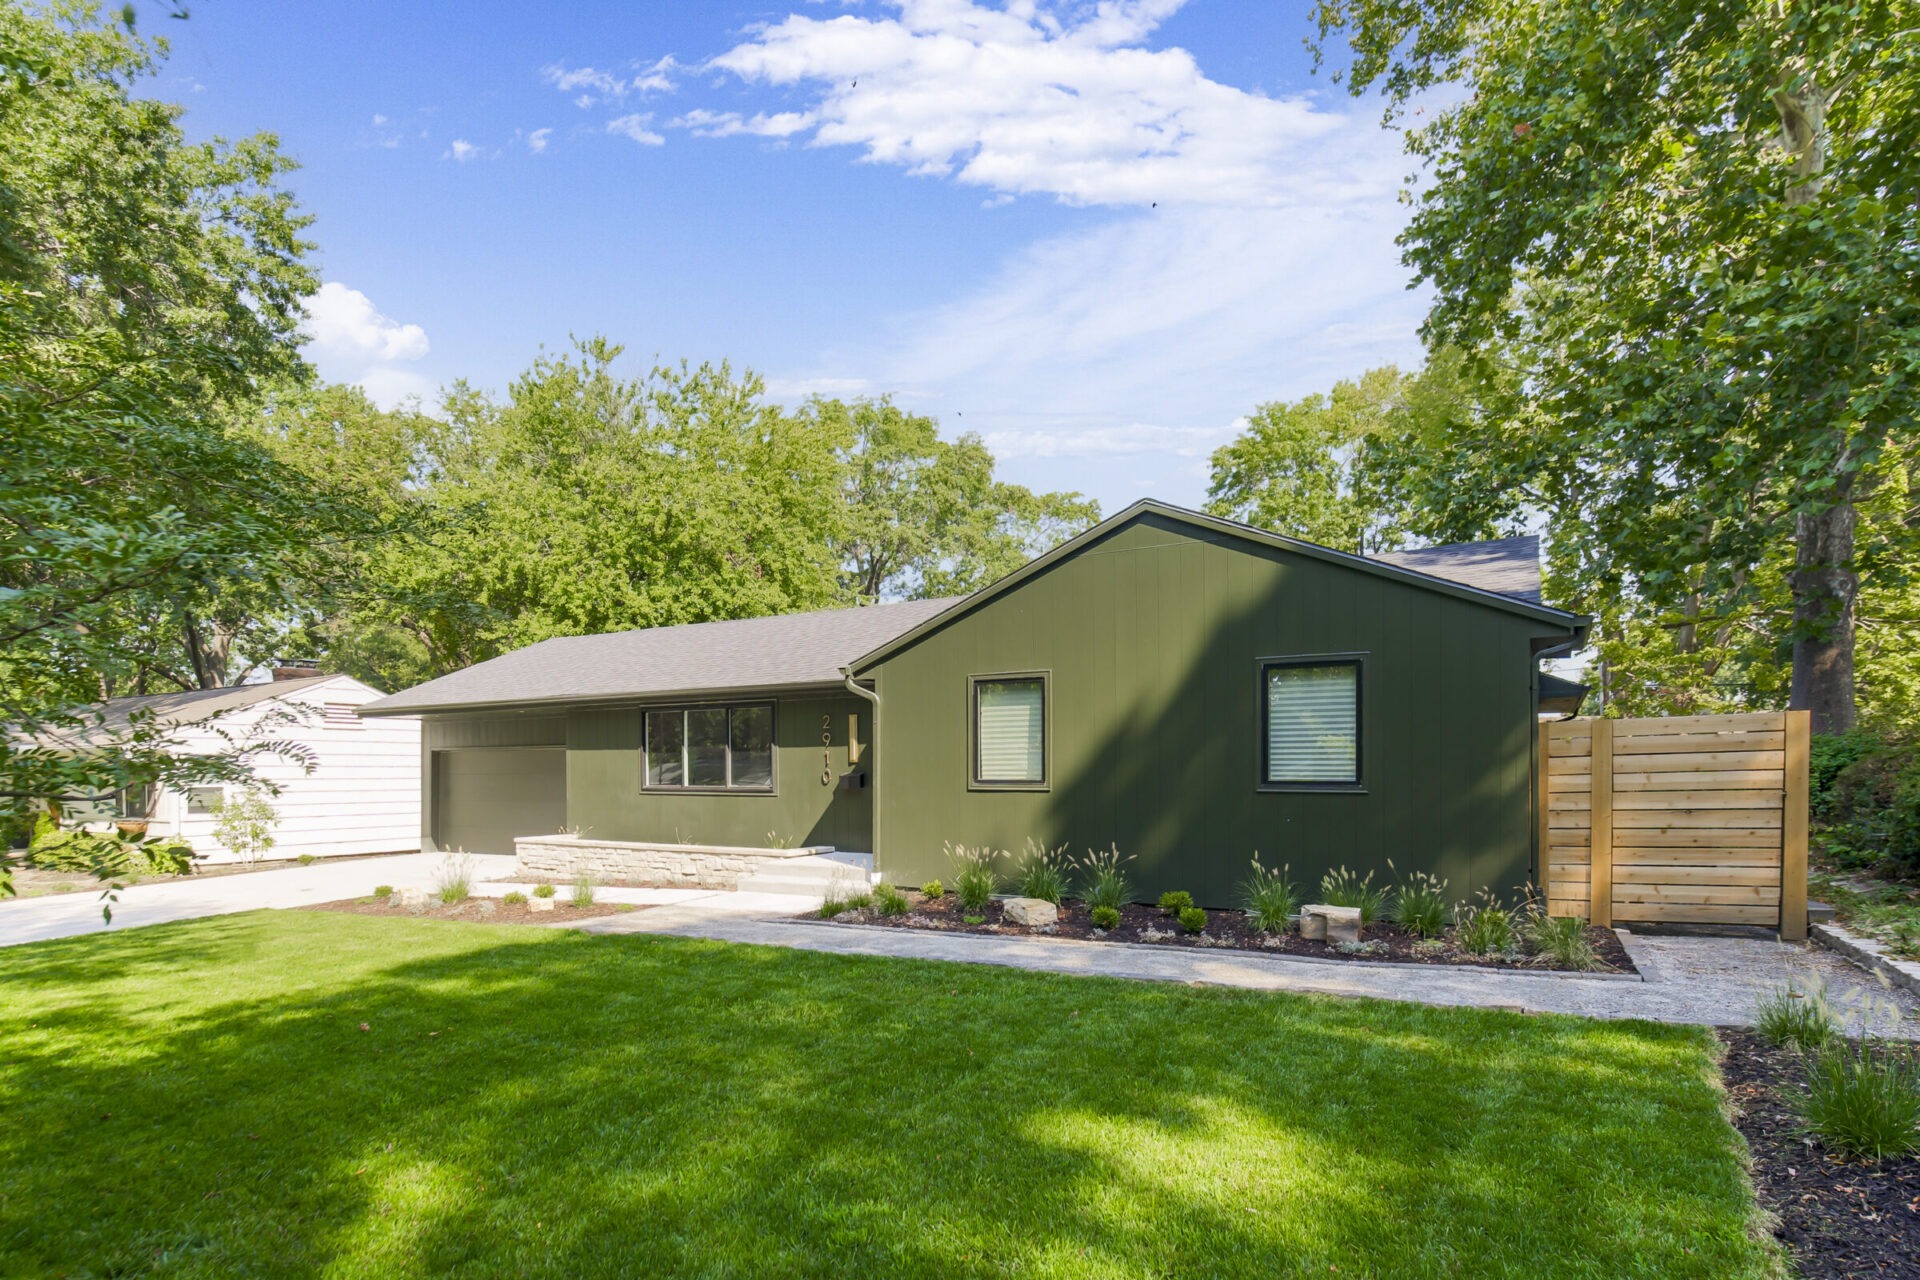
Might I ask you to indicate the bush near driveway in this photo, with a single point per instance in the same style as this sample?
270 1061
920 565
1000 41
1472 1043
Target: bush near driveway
294 1093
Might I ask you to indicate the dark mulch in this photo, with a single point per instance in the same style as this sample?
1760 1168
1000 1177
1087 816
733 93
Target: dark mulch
1840 1218
474 910
1229 929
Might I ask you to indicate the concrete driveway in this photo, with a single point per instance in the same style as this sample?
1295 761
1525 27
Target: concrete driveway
67 914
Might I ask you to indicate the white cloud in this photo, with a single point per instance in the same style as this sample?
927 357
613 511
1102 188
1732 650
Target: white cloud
655 77
635 127
378 119
537 140
463 151
349 340
1022 101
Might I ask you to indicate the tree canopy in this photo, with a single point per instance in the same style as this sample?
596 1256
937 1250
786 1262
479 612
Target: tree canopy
1702 228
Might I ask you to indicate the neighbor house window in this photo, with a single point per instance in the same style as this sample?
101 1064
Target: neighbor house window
1312 723
1010 731
711 748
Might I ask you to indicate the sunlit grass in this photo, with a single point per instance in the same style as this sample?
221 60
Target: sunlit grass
200 1100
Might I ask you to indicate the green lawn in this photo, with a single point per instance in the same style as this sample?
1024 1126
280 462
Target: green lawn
202 1100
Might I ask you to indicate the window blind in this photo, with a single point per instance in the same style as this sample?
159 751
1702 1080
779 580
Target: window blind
1010 730
1313 723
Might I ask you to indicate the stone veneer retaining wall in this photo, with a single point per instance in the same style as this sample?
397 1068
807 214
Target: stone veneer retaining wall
673 866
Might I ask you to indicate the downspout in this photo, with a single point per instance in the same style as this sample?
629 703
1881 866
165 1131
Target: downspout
873 744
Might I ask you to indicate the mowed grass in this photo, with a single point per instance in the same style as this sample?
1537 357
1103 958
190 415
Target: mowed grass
201 1100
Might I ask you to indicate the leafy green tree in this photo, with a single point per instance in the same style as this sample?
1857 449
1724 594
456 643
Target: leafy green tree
1375 463
925 517
1706 224
147 287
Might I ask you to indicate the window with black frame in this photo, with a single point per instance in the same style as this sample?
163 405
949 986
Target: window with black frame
1311 723
710 748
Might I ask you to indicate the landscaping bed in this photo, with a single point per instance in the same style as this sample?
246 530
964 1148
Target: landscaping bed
1150 926
474 910
1839 1217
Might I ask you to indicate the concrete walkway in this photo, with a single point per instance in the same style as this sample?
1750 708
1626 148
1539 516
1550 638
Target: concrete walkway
1715 981
65 915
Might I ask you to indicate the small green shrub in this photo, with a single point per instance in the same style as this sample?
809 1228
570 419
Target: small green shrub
513 898
583 891
1043 872
1561 939
1864 1100
544 891
974 879
1105 882
890 900
1174 901
1106 918
1420 903
381 892
974 919
1341 888
107 854
307 859
1484 928
1193 919
933 890
1789 1016
1269 898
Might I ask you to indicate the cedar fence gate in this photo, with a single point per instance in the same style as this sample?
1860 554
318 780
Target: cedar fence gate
1678 820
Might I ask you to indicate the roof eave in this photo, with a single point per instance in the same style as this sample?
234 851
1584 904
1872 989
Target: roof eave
561 702
1572 622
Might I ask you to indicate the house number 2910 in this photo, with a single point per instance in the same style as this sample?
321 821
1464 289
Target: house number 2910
826 751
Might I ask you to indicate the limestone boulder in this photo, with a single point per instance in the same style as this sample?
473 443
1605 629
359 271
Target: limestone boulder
1029 912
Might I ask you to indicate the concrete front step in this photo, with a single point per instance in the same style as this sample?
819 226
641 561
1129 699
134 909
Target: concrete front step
812 877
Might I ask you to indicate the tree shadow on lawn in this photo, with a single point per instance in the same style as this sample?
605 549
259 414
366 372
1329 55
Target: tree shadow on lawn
544 1102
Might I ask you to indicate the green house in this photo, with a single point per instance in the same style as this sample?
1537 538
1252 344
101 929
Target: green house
1184 688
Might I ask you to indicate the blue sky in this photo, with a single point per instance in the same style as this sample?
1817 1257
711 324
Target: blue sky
1097 235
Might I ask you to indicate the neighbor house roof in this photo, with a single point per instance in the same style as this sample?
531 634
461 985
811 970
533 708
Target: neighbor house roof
1509 566
103 721
1459 572
794 650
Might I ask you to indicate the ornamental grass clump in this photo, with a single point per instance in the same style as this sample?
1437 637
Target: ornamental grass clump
1484 928
1420 903
1043 872
974 879
453 879
543 891
1864 1100
1269 897
583 891
1342 888
1788 1016
513 898
890 900
1104 882
1562 940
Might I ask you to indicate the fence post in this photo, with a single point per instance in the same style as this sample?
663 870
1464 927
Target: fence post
1543 795
1600 836
1793 830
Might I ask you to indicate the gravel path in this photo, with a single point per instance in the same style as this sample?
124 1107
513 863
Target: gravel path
1714 981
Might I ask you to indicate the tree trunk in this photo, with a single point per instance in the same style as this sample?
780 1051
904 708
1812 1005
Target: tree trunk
1824 586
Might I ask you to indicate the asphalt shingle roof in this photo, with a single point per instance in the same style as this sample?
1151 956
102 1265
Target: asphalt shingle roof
792 650
1508 566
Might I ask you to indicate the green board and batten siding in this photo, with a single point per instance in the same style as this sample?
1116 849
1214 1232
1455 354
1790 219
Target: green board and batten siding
1151 639
605 798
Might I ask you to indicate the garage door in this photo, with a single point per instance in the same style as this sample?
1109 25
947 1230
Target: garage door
483 798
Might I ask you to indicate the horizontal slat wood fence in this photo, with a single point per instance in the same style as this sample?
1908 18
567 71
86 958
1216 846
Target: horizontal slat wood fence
1681 820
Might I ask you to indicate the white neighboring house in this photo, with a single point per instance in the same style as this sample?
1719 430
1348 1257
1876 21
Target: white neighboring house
363 795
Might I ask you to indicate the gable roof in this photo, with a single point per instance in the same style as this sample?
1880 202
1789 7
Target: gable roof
1432 579
794 650
193 705
1509 566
